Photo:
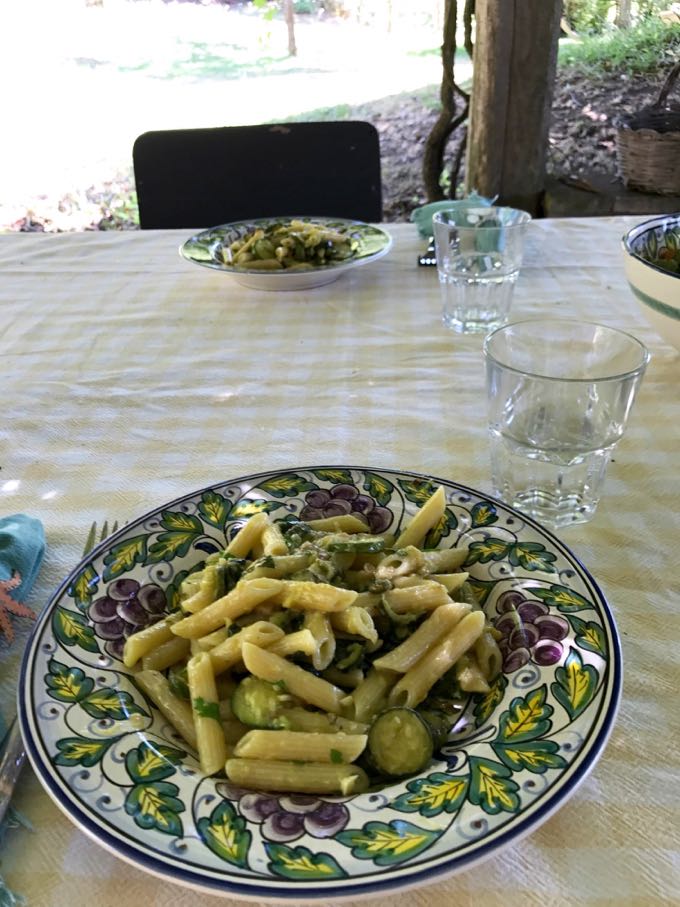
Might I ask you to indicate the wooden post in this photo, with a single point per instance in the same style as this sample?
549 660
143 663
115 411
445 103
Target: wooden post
513 77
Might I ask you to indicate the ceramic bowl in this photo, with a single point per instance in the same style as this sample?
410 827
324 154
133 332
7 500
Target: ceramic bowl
652 266
121 772
205 249
422 216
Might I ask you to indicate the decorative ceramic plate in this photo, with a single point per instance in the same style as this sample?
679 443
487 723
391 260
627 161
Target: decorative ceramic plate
206 249
120 772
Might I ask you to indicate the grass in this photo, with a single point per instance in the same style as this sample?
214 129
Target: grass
634 51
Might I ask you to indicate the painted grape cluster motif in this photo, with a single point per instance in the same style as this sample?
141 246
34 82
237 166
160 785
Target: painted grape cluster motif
126 608
529 632
516 732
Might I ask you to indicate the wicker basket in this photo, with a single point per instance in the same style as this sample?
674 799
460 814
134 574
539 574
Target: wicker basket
648 145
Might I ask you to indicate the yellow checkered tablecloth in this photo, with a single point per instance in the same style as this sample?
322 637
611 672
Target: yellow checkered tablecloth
131 377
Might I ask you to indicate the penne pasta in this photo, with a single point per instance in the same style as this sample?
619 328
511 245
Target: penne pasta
451 581
327 638
301 683
415 684
228 653
343 523
167 653
421 640
370 696
244 597
278 567
355 621
425 596
177 711
444 560
144 641
272 540
299 745
248 536
210 742
306 778
315 596
301 641
428 516
320 627
488 655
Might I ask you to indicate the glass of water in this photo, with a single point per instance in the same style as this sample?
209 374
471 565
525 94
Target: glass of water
559 395
479 254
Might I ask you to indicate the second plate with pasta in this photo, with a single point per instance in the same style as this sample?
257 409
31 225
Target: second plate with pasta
320 683
287 253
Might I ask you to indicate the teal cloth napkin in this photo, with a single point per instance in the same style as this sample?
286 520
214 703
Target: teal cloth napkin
22 546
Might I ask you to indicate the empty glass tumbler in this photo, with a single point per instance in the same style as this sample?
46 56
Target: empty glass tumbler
559 395
479 254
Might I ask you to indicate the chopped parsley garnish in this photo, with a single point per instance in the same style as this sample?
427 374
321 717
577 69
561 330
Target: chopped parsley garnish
206 709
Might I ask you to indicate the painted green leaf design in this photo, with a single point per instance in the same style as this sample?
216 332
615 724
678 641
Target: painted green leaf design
335 476
534 755
124 556
180 522
72 629
417 490
67 684
433 795
532 556
84 587
152 762
488 549
156 806
575 684
487 704
301 863
226 834
671 239
81 751
379 488
492 787
248 508
286 486
170 545
214 508
562 598
109 703
444 527
481 588
589 635
387 844
527 718
483 513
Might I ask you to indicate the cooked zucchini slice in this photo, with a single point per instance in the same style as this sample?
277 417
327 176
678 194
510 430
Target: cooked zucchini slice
260 704
399 742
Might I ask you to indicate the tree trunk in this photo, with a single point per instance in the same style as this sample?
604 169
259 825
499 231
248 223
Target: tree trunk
513 79
289 14
623 14
468 16
448 119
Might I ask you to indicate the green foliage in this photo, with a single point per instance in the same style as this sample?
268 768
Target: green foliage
634 51
587 16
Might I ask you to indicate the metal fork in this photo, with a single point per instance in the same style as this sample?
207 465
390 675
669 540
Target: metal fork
12 753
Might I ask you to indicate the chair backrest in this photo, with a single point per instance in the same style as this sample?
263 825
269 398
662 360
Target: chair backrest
199 178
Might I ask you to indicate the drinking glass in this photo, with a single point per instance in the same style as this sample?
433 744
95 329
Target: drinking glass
559 395
479 254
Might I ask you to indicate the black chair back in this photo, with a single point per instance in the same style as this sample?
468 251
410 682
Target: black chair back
199 178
